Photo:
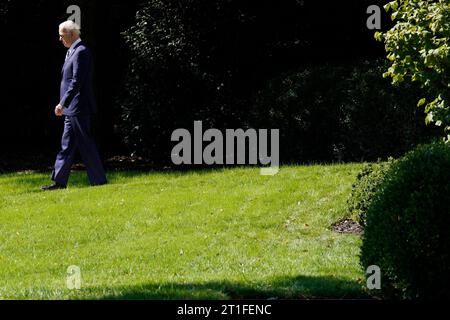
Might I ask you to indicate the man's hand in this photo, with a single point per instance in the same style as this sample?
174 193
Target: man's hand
59 110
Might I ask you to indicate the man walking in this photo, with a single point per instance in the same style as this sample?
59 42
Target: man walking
77 104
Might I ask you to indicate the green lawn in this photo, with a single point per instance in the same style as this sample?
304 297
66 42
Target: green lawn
225 234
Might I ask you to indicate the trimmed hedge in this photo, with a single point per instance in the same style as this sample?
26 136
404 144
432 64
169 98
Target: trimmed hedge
407 231
364 189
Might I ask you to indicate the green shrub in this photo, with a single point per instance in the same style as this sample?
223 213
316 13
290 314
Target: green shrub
341 112
407 231
364 189
235 64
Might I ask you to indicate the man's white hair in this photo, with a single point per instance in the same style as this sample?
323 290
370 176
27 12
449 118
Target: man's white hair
70 26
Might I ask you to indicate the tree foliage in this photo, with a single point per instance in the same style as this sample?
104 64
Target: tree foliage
419 50
265 64
201 60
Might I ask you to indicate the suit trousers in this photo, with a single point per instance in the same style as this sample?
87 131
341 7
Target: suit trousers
77 135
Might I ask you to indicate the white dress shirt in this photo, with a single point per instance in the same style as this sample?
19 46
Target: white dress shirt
69 52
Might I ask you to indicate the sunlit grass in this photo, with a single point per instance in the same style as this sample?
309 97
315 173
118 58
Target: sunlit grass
203 234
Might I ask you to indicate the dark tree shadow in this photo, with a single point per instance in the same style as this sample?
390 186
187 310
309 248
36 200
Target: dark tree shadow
300 287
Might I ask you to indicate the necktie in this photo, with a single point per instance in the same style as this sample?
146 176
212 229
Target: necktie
67 55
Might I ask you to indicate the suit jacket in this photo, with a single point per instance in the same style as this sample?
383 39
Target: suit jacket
77 93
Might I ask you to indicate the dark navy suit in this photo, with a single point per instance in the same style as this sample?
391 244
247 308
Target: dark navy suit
77 98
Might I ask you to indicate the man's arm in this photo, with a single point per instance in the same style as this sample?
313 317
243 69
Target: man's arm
81 62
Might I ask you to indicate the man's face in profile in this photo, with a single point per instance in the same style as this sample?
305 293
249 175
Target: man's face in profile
66 38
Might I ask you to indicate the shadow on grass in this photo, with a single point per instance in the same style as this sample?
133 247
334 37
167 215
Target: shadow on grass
31 182
300 287
79 179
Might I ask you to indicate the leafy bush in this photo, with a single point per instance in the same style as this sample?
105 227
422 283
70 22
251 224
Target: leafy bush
341 112
363 190
418 47
407 231
200 60
304 104
378 120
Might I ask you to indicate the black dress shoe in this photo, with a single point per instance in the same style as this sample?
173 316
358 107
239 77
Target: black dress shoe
55 186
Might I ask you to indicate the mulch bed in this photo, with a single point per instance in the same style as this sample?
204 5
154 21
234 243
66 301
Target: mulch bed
348 226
